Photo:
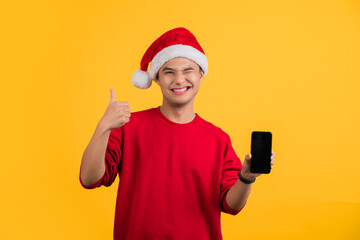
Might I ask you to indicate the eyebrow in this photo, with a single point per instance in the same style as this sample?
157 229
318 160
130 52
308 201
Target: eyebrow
167 68
189 68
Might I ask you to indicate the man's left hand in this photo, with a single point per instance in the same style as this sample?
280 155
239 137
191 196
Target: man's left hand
245 171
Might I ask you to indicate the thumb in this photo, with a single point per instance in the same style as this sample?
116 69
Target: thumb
112 96
248 157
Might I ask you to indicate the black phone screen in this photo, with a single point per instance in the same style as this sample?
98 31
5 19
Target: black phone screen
261 152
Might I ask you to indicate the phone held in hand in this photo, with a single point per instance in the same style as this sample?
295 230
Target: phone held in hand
260 152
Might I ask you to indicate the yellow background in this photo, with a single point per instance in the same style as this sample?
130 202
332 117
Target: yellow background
289 67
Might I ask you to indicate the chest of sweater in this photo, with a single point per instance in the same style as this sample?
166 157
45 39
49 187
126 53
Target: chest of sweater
173 158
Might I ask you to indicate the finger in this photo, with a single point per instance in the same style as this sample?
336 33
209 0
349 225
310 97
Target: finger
126 119
124 104
112 96
126 107
248 157
272 153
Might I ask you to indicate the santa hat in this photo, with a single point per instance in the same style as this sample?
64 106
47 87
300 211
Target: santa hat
178 42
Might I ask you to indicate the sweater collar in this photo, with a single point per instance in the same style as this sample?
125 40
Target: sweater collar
174 124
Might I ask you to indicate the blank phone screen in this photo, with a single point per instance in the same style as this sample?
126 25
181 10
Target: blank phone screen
261 152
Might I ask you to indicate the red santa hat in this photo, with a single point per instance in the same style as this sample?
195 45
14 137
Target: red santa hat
178 42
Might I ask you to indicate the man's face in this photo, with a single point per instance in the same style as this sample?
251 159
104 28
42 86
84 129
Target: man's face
179 80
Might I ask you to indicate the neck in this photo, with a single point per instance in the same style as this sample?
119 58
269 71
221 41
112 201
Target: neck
181 114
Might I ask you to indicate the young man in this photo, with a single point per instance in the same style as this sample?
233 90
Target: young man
177 171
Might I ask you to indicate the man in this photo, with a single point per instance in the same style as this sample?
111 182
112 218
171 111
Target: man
177 171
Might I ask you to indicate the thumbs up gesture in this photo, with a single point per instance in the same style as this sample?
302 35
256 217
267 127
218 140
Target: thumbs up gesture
117 113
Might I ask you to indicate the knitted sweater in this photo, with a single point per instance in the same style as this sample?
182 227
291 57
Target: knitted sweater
173 177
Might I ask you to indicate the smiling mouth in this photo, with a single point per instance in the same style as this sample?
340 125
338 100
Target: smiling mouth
180 90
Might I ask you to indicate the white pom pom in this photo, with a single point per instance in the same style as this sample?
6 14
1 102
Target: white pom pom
141 79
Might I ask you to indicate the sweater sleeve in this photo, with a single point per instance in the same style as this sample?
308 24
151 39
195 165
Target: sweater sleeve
229 175
112 160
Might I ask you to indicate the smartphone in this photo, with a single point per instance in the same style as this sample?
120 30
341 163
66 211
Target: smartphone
261 152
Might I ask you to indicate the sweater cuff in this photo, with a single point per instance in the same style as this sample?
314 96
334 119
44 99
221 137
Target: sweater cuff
94 185
230 210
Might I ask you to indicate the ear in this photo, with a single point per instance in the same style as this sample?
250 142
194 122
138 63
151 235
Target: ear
157 81
201 76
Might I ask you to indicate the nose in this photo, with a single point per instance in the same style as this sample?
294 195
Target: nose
179 78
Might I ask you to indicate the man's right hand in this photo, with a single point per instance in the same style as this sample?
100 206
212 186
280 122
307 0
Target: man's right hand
117 113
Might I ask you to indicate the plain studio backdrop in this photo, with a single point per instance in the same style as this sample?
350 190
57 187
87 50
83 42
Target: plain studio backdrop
289 67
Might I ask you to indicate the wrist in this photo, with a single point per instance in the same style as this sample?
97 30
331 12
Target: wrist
245 178
102 127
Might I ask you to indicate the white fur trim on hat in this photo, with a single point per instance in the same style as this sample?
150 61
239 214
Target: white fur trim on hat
141 79
174 51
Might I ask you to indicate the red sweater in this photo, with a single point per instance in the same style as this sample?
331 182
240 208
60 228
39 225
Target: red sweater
173 177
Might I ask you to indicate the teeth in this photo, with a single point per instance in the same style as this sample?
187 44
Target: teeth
180 90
